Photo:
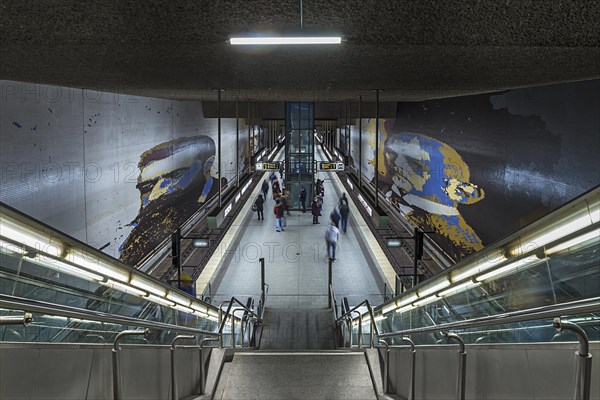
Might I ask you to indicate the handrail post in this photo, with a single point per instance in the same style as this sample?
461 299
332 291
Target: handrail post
233 328
360 330
583 360
462 365
262 273
413 353
386 368
24 319
202 366
330 279
174 395
116 361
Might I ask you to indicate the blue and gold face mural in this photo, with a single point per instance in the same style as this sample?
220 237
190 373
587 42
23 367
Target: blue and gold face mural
175 178
427 180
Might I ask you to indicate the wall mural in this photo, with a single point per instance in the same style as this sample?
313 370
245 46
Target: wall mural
427 179
473 169
175 179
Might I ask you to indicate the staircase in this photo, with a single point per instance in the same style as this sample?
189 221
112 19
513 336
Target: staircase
262 375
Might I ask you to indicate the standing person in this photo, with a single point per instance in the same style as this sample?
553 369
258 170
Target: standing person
335 217
302 197
331 237
285 198
344 211
265 188
259 207
278 211
315 211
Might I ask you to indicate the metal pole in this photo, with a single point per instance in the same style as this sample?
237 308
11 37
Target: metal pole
330 279
24 319
413 352
360 142
386 367
176 254
415 258
249 148
219 140
237 144
377 149
462 365
174 395
116 361
583 360
349 130
262 273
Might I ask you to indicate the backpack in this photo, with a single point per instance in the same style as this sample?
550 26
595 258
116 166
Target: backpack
335 216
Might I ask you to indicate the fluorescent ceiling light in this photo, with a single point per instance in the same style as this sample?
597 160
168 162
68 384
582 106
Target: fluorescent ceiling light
426 300
405 308
34 239
200 308
469 271
595 234
285 40
389 307
187 310
11 248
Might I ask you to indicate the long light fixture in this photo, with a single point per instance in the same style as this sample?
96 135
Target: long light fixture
95 263
148 285
285 40
527 261
595 234
124 288
68 269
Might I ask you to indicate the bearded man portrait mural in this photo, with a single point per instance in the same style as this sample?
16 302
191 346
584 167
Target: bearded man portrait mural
427 180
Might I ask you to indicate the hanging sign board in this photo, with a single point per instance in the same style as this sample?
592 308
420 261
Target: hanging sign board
267 166
330 166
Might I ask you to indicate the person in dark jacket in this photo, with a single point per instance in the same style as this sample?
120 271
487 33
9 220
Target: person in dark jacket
265 188
315 211
259 207
279 212
302 197
344 211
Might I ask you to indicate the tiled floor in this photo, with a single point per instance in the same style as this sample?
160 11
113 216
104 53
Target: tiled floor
296 270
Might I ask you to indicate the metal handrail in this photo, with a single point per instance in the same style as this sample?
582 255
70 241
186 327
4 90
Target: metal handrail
571 308
24 319
348 314
228 313
174 394
41 307
583 359
116 360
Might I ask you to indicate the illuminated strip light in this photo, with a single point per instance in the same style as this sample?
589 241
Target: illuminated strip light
509 268
404 301
148 286
436 287
21 234
68 269
124 288
160 300
424 301
405 308
554 234
273 152
199 308
179 298
478 268
459 288
11 248
595 234
179 307
237 197
275 40
350 183
228 209
365 205
94 263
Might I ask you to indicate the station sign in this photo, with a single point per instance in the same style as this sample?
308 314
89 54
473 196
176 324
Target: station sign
267 166
330 166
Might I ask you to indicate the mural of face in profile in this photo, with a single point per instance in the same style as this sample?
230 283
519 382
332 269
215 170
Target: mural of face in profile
428 180
175 178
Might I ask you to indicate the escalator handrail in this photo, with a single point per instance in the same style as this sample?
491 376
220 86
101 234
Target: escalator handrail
591 305
42 307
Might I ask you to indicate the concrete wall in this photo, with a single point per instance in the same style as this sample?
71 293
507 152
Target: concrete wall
477 168
84 372
494 372
74 159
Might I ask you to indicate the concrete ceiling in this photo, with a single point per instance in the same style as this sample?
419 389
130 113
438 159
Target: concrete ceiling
411 49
